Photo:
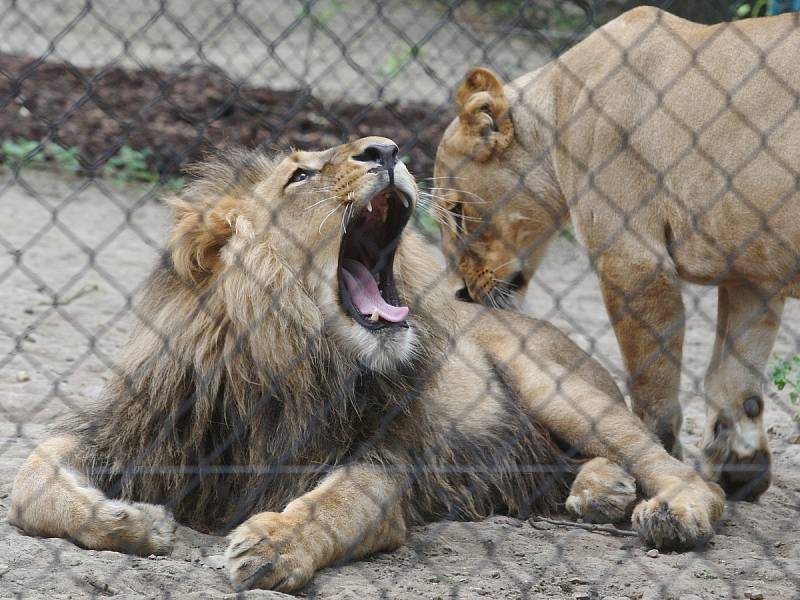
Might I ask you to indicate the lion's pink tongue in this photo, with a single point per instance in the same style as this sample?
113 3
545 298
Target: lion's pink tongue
365 293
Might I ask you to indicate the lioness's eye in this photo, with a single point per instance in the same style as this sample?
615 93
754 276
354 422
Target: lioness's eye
299 175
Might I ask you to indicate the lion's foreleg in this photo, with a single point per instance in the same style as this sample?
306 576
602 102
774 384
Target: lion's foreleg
52 498
355 511
682 507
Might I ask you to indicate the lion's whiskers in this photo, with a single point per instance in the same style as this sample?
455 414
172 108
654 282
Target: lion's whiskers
317 203
348 211
478 199
335 208
508 262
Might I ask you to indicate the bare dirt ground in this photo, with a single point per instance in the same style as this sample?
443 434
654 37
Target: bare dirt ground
90 245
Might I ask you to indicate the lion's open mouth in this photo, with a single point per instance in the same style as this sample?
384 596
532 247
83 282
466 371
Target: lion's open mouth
366 261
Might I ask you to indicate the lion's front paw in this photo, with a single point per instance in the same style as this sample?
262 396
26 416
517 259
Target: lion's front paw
160 528
680 517
267 551
132 528
602 492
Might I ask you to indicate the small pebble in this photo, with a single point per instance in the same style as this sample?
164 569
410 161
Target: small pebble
581 596
754 595
652 553
23 376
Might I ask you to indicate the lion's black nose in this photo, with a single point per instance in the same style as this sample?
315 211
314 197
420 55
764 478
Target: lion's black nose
383 154
517 280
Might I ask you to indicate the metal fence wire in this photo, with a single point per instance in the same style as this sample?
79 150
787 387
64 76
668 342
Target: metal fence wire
233 375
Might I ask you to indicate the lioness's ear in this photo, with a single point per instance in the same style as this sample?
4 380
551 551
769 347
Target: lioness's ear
485 127
198 236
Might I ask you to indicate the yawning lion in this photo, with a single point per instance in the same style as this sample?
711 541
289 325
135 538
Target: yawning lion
300 373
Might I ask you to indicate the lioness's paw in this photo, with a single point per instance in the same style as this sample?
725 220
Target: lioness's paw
681 517
268 552
602 492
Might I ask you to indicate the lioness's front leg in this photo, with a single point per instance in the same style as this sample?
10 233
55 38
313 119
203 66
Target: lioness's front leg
646 310
355 511
51 497
682 508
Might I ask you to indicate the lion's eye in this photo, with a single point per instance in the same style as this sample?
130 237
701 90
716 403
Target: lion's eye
299 175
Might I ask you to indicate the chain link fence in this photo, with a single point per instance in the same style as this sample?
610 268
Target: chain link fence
216 389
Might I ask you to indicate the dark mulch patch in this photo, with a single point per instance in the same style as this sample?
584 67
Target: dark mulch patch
181 115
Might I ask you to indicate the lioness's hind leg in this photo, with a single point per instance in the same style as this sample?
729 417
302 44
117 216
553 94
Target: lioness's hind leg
52 498
602 492
735 448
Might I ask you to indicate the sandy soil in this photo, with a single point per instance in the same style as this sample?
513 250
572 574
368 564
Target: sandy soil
64 237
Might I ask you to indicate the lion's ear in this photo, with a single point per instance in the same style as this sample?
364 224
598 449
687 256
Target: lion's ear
198 236
483 113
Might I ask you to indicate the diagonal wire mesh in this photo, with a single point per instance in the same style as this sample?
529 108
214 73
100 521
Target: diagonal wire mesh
188 387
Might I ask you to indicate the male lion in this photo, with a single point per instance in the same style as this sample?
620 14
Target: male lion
675 150
279 379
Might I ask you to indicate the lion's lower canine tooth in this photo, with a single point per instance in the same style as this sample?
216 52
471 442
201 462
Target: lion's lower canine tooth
374 316
369 206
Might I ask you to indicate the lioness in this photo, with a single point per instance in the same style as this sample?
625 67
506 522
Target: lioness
300 371
675 150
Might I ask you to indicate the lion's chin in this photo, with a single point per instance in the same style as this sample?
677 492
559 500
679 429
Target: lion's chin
382 351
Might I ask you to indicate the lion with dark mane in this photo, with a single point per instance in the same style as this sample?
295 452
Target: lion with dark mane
300 372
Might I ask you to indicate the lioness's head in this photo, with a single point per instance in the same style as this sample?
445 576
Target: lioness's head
495 197
305 242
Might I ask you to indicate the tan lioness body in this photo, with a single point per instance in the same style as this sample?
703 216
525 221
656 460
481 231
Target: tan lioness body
252 394
674 148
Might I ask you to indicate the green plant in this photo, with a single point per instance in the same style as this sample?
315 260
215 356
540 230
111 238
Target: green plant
131 165
66 158
320 17
398 60
127 165
568 233
21 152
747 9
786 373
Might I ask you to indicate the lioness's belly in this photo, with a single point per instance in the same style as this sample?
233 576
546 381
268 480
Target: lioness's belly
733 240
